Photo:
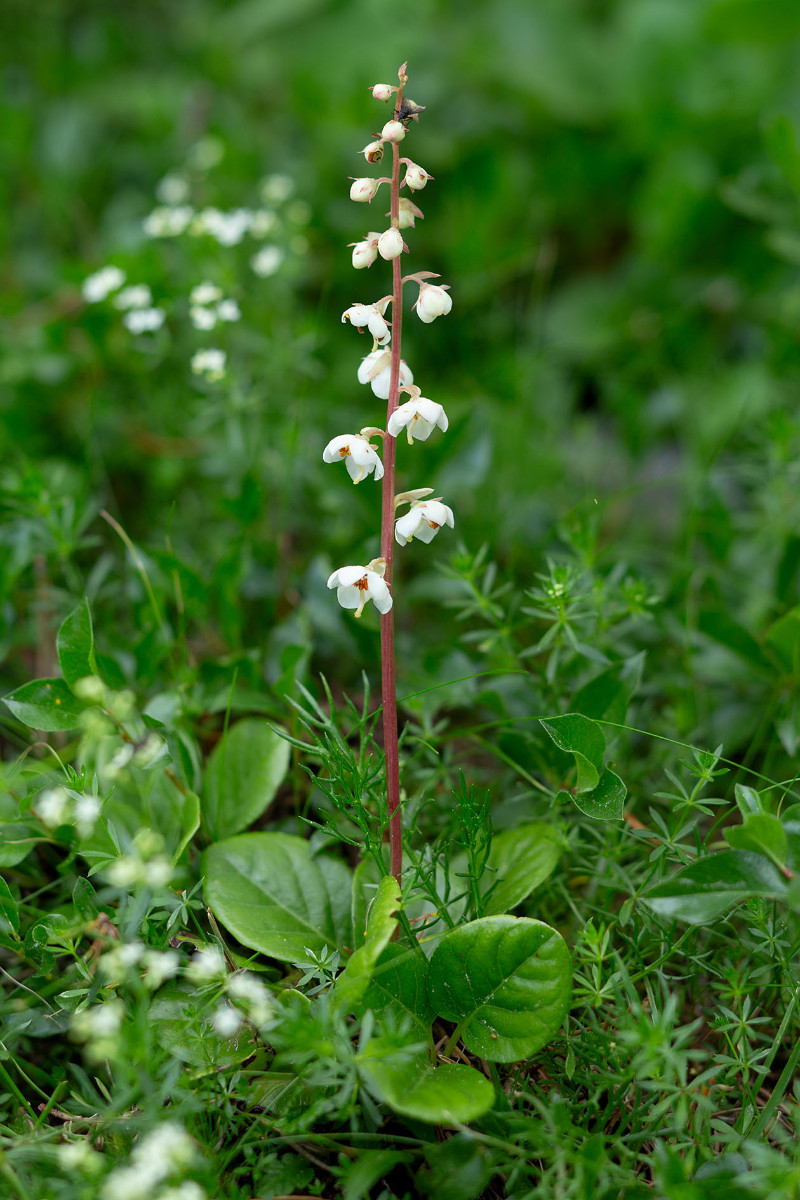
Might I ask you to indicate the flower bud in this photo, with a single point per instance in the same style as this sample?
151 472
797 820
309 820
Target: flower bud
374 153
408 211
390 243
393 131
415 177
363 189
432 302
383 91
364 253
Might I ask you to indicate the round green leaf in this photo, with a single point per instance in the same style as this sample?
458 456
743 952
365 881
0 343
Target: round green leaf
274 897
399 984
443 1095
704 890
521 858
505 981
242 775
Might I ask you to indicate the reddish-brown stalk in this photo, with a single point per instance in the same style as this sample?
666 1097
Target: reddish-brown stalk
388 690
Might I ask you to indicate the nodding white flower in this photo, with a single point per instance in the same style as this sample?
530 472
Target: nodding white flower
373 153
370 315
267 261
419 417
376 370
432 302
144 320
390 243
359 456
383 91
363 189
393 131
423 521
96 287
415 177
137 296
202 318
408 211
355 586
210 363
366 251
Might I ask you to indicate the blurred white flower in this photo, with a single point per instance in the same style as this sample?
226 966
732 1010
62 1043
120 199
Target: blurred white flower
276 188
359 456
144 320
432 302
267 261
205 293
262 223
376 370
355 586
79 1156
419 417
51 806
227 228
173 189
206 153
206 966
228 310
137 296
98 286
423 521
250 992
87 810
372 316
188 1190
202 318
115 962
227 1020
210 363
168 221
159 966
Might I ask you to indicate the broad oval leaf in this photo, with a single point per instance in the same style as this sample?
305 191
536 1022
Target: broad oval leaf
583 739
45 704
707 888
505 981
521 859
274 897
242 775
399 984
75 645
443 1095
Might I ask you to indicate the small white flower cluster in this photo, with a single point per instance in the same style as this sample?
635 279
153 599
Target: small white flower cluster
64 806
98 1028
207 306
418 416
143 865
210 364
135 302
157 966
248 1000
164 1152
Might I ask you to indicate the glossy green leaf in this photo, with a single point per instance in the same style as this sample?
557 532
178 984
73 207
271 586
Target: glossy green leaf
16 842
9 909
242 775
269 891
762 833
607 801
709 887
352 983
584 740
45 704
399 984
520 859
190 823
75 645
443 1095
505 981
183 1028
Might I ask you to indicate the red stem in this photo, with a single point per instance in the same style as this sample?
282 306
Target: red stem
388 689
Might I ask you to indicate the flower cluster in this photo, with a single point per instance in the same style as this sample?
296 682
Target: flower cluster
382 367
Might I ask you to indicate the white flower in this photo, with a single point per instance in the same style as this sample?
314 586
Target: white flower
359 456
415 177
277 188
160 965
390 243
263 222
363 189
188 1190
207 966
432 302
227 228
205 293
202 318
173 189
383 91
423 521
408 211
365 252
100 1023
168 221
228 310
267 261
51 804
371 316
144 320
157 872
96 287
87 810
393 131
376 370
138 296
419 417
252 995
373 152
210 363
226 1020
79 1156
357 585
116 961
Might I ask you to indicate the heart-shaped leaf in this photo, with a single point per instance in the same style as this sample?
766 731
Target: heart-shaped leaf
354 979
707 888
583 739
275 897
242 775
521 859
443 1095
75 645
505 981
607 801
